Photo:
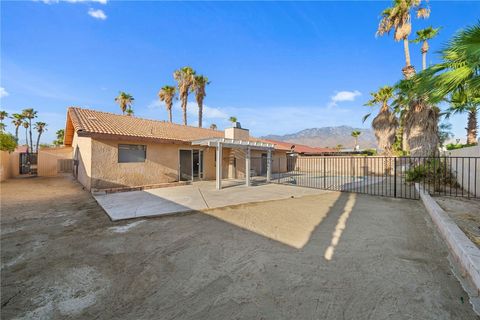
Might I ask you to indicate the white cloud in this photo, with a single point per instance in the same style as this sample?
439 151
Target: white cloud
208 112
343 96
346 96
155 104
97 14
3 92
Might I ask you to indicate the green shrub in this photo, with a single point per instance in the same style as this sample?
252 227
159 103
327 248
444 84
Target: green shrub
432 172
454 146
7 142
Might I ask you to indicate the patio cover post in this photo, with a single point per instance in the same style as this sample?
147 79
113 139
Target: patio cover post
247 168
269 165
219 167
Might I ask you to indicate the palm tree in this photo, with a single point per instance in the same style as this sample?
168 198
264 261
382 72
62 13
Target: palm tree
420 120
233 120
199 84
40 127
185 79
124 100
355 134
29 114
17 120
398 18
385 123
444 132
213 126
460 66
3 115
423 36
167 94
26 126
465 100
60 137
458 71
129 112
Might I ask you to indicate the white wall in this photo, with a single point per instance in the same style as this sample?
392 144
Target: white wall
467 176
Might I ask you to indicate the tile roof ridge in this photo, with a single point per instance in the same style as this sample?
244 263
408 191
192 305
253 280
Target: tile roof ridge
75 108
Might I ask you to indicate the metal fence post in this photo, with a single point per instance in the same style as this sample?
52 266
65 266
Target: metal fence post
324 173
395 177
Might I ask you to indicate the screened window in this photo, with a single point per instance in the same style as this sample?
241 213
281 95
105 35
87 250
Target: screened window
132 153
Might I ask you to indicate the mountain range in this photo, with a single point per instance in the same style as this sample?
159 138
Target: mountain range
329 137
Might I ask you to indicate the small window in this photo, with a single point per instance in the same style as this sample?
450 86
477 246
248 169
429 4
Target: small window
132 153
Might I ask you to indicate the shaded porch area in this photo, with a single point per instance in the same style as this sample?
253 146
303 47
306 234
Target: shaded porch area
246 146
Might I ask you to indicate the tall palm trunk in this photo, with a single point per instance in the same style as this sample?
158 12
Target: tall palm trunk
26 138
472 126
424 54
30 131
170 114
16 133
421 129
407 52
424 60
200 111
184 108
38 140
408 70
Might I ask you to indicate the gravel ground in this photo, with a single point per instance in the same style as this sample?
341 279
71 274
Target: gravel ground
331 256
466 214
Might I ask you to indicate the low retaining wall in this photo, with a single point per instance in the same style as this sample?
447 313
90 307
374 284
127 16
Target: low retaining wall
464 251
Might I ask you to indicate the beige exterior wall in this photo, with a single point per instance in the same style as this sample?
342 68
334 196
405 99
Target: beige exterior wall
343 165
5 166
234 162
162 164
10 165
98 166
48 160
82 154
464 168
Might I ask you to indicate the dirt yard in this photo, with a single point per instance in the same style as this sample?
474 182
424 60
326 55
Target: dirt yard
466 214
330 256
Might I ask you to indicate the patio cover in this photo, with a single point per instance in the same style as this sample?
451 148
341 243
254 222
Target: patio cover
248 145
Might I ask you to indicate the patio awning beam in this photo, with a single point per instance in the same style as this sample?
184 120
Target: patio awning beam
234 143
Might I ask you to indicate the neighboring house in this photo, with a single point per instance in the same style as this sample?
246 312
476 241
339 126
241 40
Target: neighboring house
300 149
111 150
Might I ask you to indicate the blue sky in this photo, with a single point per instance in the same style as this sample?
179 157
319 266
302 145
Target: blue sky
279 67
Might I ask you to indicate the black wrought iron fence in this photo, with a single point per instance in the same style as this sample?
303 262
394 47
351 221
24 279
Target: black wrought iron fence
383 176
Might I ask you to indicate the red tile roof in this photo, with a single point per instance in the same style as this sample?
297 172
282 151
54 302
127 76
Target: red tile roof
98 123
86 122
298 148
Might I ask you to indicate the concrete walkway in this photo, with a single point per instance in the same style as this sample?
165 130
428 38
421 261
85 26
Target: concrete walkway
198 196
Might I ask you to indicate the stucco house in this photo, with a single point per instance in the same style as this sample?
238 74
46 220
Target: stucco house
112 150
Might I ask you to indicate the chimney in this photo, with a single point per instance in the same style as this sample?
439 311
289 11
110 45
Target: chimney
237 133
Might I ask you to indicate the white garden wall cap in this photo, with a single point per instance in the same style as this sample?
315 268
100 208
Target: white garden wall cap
463 249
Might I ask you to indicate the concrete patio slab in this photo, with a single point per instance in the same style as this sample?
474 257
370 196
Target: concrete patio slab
198 196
